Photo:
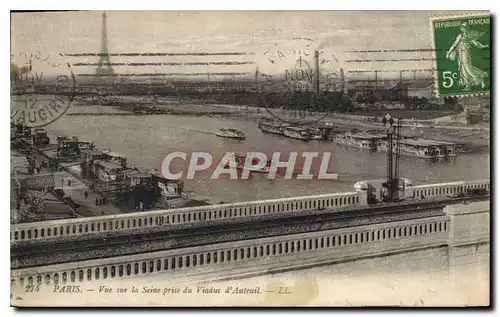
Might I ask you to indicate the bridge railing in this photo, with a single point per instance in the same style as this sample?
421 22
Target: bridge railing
56 229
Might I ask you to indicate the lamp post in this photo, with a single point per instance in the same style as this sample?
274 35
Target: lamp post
388 122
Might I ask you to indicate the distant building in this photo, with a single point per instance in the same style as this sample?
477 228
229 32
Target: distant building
302 85
421 90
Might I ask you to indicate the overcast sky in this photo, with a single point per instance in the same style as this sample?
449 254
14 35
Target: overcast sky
255 32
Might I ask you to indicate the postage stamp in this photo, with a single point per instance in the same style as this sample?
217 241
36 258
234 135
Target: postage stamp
461 45
42 88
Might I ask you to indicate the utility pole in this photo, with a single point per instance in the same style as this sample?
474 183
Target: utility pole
392 182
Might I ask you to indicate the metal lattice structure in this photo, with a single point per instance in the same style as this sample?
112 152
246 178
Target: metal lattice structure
104 68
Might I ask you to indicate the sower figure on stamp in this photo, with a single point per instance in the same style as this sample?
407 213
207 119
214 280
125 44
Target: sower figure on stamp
461 50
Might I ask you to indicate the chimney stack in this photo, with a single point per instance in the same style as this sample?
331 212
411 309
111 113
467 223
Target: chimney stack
316 60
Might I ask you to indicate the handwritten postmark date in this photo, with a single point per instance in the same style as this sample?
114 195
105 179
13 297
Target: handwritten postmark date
42 88
298 81
462 49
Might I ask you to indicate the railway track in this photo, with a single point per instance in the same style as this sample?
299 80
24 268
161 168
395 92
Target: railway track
71 251
237 224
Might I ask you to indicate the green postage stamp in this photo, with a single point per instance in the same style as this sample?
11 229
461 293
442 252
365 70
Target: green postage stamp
461 46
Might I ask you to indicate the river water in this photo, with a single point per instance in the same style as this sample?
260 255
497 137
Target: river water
145 140
414 279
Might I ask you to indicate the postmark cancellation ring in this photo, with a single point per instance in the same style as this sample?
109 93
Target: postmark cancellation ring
296 88
42 88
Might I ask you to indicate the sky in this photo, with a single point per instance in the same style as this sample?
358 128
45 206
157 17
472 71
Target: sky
260 34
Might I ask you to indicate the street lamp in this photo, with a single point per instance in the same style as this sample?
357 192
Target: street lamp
388 122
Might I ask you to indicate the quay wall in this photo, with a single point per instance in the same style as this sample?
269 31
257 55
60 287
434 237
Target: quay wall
241 259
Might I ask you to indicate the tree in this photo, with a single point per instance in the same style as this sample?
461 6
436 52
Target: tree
32 206
16 71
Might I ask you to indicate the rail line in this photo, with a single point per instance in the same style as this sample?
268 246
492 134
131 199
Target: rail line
164 240
244 223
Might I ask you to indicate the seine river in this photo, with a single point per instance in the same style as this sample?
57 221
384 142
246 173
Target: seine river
421 278
145 140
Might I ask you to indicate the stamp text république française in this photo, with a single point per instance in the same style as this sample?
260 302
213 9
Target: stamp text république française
451 24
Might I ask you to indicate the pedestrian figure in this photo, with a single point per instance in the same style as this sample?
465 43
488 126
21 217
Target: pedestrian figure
97 201
86 194
69 182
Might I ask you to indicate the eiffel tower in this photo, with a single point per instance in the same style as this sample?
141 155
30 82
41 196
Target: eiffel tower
104 68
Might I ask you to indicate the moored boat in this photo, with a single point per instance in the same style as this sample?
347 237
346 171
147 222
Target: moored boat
422 148
316 134
297 133
272 127
357 140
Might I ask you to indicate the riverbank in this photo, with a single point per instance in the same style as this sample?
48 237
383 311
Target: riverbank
72 195
478 134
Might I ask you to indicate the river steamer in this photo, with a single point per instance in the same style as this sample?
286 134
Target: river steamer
421 148
358 140
272 127
316 134
297 133
230 133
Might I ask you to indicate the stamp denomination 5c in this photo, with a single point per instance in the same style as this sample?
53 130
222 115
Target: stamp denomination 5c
462 54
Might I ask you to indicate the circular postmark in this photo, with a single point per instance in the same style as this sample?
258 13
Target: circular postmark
42 88
300 82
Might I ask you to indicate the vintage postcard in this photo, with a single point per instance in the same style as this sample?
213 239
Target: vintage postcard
250 158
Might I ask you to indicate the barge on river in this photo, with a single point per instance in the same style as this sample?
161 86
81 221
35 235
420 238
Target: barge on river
362 141
421 148
299 133
273 127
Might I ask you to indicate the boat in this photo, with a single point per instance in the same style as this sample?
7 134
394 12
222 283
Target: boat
240 159
272 127
297 133
107 171
316 134
358 140
230 133
40 137
421 148
86 145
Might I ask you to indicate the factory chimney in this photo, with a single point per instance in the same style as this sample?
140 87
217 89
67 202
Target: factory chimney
342 81
316 70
